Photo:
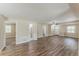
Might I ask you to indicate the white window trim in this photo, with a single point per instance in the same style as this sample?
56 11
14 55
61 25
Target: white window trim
7 28
71 29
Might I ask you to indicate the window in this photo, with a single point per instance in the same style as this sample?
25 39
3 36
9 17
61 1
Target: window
30 25
8 28
55 28
71 29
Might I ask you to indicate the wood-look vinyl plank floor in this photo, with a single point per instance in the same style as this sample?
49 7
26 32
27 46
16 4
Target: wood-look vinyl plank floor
47 46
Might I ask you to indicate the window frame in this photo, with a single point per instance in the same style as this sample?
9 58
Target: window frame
7 28
55 28
71 29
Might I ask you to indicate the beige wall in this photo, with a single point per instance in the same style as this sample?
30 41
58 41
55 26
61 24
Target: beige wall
63 31
75 9
2 40
23 34
13 31
49 29
78 29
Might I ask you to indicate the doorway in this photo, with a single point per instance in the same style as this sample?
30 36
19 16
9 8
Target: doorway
44 30
10 35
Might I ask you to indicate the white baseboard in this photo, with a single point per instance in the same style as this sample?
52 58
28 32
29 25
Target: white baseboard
2 48
23 42
11 37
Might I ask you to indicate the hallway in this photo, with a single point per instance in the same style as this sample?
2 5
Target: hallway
47 46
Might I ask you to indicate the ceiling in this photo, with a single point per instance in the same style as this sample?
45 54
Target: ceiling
41 12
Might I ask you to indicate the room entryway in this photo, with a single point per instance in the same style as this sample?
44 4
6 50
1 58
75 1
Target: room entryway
10 35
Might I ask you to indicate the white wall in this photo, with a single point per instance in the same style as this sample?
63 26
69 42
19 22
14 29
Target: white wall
43 30
39 30
23 33
22 30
